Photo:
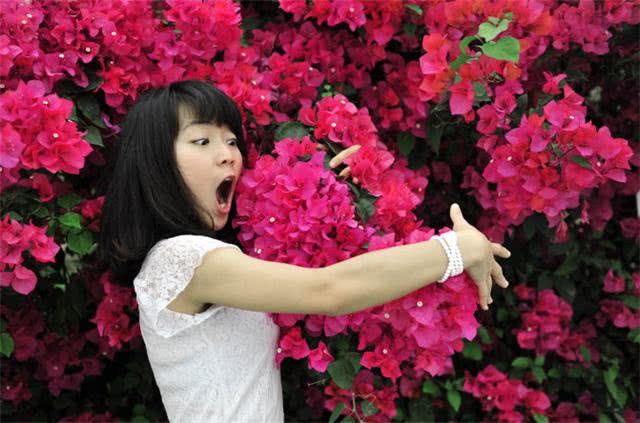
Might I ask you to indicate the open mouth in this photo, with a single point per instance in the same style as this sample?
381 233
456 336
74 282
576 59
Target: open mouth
223 193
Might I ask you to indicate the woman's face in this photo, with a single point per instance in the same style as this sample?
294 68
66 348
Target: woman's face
207 155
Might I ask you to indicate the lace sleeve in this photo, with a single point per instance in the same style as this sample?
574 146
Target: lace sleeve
166 271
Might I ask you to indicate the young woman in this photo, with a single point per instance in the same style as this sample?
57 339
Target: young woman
203 303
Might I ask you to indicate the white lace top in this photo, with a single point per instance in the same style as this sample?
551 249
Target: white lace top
214 366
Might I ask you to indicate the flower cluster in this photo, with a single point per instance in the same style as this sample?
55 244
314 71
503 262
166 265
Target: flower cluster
36 134
111 319
510 399
616 310
17 238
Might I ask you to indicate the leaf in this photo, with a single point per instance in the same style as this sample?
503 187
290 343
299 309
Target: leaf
539 373
581 161
634 336
431 388
93 136
480 92
454 399
368 408
521 362
406 142
472 351
554 373
88 105
540 418
434 134
306 158
410 29
80 243
539 360
586 354
464 43
336 412
489 31
342 373
631 301
484 335
365 205
506 48
291 130
617 393
70 220
6 344
69 201
417 9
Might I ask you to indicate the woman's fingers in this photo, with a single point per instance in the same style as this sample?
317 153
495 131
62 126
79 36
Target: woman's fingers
498 276
499 250
339 158
345 172
458 220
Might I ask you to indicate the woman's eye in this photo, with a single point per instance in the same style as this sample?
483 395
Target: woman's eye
233 142
202 139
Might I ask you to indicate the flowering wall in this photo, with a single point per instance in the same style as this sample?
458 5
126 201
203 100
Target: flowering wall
524 113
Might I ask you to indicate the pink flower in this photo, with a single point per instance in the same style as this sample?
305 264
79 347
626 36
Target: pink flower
613 284
320 358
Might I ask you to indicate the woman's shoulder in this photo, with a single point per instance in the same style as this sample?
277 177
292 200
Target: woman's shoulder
185 244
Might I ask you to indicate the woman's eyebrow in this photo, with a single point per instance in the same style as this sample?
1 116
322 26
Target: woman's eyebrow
195 122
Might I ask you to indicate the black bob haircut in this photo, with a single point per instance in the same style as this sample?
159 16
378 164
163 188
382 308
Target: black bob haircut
147 199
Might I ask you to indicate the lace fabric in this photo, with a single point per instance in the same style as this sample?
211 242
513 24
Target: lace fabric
216 365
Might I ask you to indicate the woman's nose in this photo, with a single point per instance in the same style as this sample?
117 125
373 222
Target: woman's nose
225 156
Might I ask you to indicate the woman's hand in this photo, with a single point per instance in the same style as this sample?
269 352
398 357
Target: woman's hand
477 253
340 157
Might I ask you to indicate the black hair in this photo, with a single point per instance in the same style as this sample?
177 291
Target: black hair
147 199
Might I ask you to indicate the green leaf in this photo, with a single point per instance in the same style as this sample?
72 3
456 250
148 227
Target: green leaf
454 399
464 43
93 136
603 418
460 60
539 373
484 335
406 142
336 412
88 105
348 419
539 360
342 373
434 134
631 301
69 201
6 344
291 130
617 393
365 205
417 9
368 408
14 215
305 158
634 336
554 373
81 242
410 29
506 48
523 101
354 358
488 31
521 362
472 351
480 92
540 418
431 388
70 220
581 161
586 354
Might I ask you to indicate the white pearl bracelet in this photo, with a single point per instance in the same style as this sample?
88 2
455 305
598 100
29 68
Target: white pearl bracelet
449 242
